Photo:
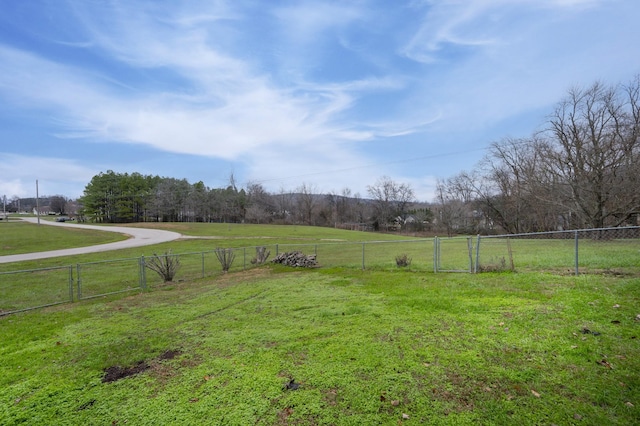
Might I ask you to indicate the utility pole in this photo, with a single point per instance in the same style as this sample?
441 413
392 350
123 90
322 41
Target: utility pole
37 202
4 198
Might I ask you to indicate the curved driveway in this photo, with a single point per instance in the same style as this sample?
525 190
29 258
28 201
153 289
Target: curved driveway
139 237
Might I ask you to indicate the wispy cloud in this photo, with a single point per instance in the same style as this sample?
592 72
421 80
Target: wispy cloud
230 110
451 25
284 89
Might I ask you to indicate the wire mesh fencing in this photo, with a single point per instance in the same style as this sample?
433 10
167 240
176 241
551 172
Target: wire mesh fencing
417 254
34 288
453 254
587 251
594 251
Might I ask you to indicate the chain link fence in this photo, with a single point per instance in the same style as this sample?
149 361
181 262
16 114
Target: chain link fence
613 251
587 251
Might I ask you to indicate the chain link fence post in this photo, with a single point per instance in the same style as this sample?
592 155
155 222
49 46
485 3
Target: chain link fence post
475 270
79 282
435 254
70 283
576 237
470 252
143 274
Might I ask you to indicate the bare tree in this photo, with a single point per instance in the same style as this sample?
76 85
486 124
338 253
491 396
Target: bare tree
328 209
306 202
596 152
390 200
284 205
260 205
519 195
454 197
58 204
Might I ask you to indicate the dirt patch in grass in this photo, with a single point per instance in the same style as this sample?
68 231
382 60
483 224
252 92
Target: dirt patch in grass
116 372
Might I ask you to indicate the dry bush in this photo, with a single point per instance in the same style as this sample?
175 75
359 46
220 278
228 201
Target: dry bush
262 254
225 257
166 265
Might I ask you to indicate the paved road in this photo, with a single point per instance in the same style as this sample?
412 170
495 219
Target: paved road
139 237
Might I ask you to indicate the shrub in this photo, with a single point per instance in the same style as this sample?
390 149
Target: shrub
403 260
226 257
166 265
262 254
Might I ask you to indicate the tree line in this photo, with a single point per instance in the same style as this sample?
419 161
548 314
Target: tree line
581 171
112 197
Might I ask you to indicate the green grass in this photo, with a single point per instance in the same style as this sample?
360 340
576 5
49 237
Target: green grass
243 232
620 257
366 348
23 237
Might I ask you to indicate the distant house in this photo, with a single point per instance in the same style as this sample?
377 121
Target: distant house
44 210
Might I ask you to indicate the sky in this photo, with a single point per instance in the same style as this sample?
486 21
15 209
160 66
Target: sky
329 94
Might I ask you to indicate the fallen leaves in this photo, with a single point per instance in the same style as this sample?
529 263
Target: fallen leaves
605 363
536 394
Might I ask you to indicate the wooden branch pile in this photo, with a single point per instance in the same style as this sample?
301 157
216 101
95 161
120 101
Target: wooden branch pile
296 259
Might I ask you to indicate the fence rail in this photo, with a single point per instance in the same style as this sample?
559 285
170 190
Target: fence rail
607 251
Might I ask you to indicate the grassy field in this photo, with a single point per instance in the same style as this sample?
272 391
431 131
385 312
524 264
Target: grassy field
22 237
333 345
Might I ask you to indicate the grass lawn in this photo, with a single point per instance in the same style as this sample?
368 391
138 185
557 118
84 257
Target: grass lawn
274 346
17 237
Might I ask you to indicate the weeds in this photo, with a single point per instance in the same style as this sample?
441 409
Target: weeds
403 260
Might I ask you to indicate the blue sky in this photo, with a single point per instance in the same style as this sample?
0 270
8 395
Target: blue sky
333 94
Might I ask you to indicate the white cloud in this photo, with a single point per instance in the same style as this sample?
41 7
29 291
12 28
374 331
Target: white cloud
19 175
308 22
478 24
198 78
497 59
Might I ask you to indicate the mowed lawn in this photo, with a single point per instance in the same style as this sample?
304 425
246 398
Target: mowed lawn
332 345
276 346
18 237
